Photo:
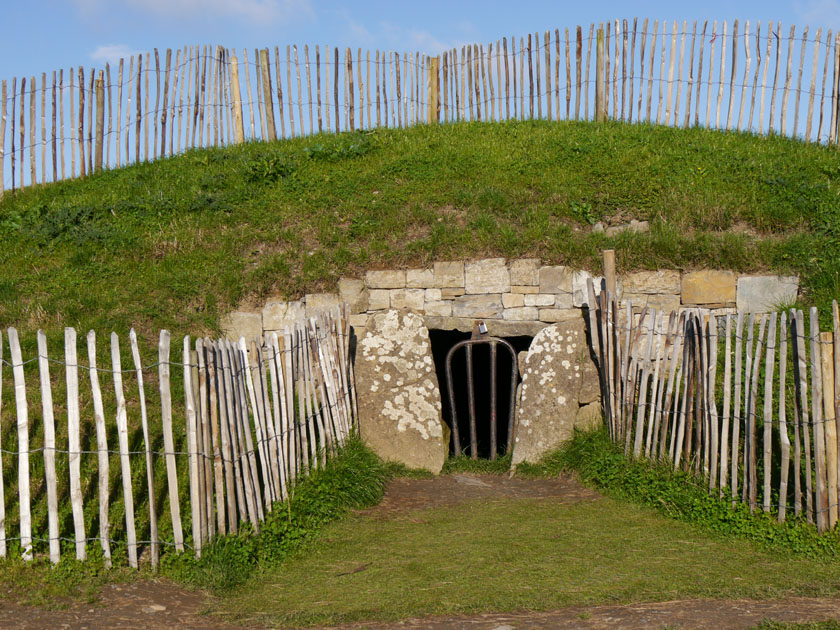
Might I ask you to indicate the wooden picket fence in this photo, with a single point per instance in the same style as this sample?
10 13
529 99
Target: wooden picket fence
252 417
700 392
152 105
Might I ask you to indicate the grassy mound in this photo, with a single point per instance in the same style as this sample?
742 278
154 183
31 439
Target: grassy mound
176 243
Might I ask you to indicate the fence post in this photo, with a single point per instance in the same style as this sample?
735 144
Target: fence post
433 91
609 269
600 109
238 125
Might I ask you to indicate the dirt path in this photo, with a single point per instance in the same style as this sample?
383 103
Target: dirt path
155 605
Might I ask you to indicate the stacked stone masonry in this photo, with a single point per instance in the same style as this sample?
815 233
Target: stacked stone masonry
516 297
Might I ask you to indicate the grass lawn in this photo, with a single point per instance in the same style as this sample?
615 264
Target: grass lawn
178 242
516 554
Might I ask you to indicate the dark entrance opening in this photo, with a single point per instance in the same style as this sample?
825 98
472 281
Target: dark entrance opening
442 341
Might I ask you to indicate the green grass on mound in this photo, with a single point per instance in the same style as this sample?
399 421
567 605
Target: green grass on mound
176 243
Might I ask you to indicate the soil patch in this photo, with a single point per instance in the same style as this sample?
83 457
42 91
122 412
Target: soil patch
405 495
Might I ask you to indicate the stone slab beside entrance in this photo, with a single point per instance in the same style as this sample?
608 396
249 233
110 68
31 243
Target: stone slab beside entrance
556 368
398 393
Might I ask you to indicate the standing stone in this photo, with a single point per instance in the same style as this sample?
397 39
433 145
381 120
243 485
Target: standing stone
551 387
399 398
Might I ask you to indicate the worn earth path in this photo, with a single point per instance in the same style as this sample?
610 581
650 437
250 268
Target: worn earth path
155 605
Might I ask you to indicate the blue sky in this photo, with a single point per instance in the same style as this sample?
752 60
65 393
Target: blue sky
44 35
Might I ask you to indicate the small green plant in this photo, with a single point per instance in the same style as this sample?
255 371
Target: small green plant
582 211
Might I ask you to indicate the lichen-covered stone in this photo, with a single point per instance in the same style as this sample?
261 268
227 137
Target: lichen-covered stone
448 275
487 276
551 388
398 394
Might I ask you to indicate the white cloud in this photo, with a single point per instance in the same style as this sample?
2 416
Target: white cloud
257 11
417 39
112 53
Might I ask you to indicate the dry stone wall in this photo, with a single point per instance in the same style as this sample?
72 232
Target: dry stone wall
516 297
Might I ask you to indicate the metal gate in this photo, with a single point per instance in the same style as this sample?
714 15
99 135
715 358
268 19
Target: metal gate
479 337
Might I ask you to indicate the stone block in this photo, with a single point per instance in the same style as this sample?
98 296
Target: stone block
487 276
432 295
524 313
354 292
555 279
663 302
513 300
564 300
441 308
276 315
540 299
709 286
633 226
525 272
407 299
241 324
449 293
548 406
552 315
580 292
495 327
524 289
399 398
385 279
379 299
316 302
764 294
656 282
448 274
358 320
485 305
419 278
589 416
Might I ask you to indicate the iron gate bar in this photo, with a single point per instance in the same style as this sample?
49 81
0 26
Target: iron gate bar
468 344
